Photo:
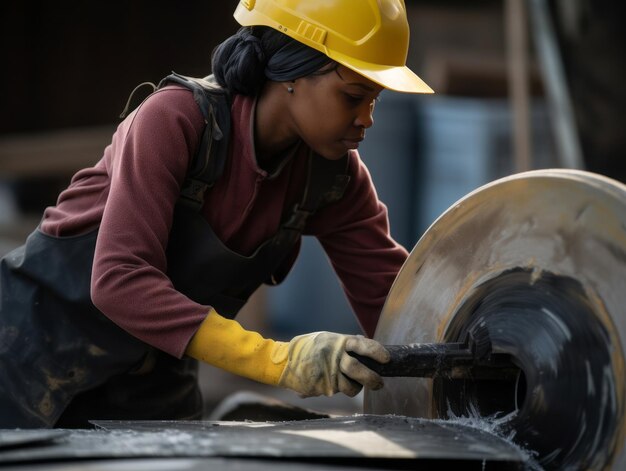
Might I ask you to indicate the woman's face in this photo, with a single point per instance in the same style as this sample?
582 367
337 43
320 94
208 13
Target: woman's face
330 112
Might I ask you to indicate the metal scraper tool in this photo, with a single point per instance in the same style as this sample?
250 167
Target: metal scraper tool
471 359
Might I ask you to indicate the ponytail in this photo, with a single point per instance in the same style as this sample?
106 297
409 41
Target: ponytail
246 60
239 62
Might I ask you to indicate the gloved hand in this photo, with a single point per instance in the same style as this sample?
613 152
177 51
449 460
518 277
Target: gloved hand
311 364
318 363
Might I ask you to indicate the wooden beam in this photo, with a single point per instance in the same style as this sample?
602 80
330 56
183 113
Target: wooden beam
52 154
517 57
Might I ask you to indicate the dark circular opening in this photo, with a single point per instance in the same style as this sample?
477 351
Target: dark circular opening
483 397
558 403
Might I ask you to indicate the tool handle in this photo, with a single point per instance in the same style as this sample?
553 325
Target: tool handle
447 360
419 360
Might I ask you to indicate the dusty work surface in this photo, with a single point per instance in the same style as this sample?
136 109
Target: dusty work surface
373 442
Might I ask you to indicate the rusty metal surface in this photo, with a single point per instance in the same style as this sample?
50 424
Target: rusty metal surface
559 223
392 439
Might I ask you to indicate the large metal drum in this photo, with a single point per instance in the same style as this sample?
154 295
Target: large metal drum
539 258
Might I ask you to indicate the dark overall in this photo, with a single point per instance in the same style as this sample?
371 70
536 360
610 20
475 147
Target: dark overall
62 362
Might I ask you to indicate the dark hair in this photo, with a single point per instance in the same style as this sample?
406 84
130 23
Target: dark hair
244 62
239 62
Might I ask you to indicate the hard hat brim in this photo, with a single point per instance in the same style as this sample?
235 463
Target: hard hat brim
396 78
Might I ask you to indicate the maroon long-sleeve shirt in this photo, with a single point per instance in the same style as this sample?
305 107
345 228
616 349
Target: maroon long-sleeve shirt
131 192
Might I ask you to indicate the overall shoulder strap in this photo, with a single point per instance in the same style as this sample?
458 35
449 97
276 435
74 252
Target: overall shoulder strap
327 181
208 164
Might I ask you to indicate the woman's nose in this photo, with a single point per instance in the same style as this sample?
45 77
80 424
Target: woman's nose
365 118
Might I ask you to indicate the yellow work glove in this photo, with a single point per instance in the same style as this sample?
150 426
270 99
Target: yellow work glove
225 344
311 364
319 363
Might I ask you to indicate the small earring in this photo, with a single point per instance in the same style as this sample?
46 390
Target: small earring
290 89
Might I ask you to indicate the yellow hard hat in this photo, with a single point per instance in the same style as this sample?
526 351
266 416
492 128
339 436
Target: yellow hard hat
370 37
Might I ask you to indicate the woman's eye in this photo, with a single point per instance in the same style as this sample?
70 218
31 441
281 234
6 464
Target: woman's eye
354 99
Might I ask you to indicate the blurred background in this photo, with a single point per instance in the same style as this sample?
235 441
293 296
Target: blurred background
520 85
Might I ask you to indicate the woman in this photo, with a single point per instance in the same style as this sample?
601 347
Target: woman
201 196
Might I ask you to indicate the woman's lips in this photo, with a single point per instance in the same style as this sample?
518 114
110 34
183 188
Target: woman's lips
352 143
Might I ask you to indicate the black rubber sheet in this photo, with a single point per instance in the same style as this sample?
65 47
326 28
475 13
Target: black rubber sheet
393 439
